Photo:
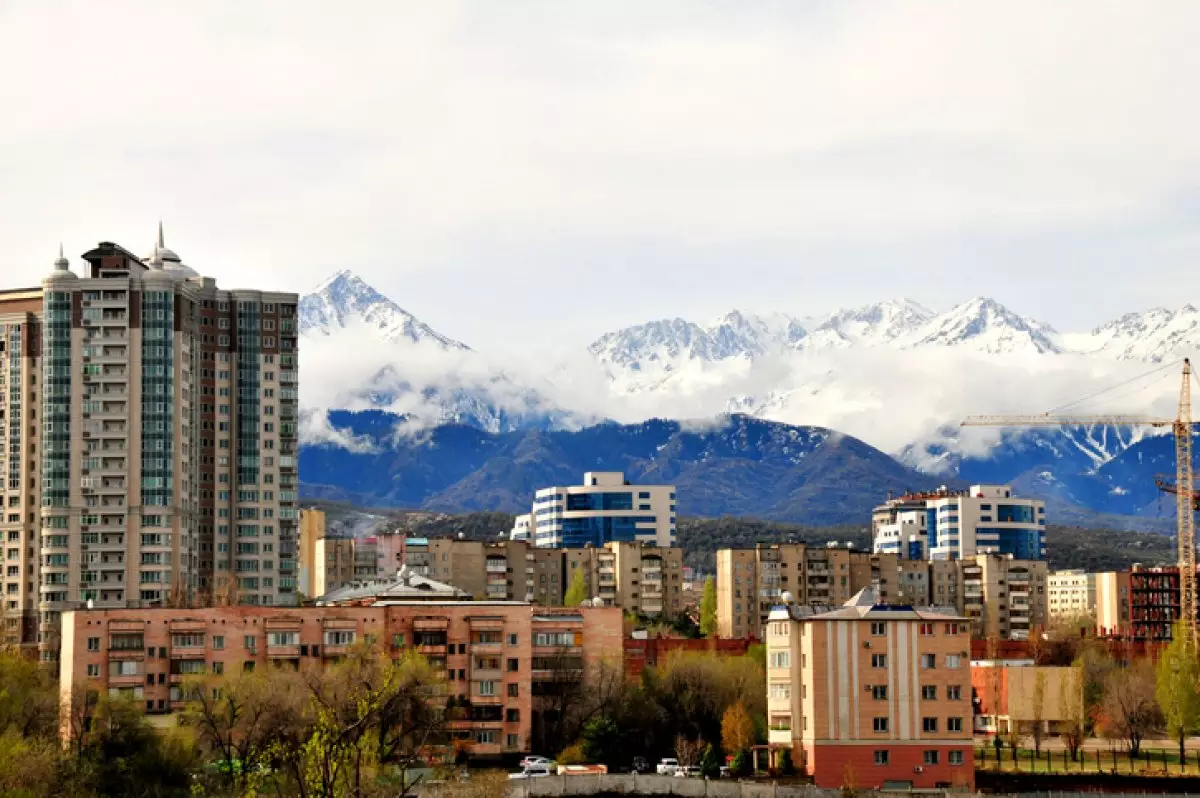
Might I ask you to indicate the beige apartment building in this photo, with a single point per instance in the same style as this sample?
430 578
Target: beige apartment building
1003 597
872 693
752 581
635 576
1070 594
166 444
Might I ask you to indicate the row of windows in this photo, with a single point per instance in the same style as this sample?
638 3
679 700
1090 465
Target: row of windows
955 757
929 725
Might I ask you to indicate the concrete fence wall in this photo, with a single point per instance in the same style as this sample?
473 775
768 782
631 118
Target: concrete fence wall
632 785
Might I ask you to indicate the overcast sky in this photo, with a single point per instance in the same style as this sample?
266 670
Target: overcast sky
517 171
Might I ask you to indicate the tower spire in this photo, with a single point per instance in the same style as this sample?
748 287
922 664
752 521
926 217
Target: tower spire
161 243
60 262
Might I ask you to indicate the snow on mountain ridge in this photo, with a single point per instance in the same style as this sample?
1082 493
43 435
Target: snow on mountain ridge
344 300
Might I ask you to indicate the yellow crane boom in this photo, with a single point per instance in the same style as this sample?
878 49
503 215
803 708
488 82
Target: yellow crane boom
1181 428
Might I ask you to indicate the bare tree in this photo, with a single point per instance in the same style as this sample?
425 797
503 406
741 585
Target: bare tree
1073 711
1130 706
1039 709
688 751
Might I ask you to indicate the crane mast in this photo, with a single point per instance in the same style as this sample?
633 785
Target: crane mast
1184 489
1185 511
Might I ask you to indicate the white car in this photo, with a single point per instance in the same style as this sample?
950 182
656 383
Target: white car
529 761
532 772
667 767
687 772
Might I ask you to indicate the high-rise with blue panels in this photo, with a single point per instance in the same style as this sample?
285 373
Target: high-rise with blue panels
953 525
605 508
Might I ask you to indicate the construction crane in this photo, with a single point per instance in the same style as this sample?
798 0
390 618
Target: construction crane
1167 486
1184 487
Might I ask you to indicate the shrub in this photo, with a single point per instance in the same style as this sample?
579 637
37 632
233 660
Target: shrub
572 755
786 766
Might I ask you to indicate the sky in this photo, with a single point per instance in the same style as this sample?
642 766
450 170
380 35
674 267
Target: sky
527 171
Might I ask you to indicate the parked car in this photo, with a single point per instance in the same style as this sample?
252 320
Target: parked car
640 765
687 772
532 772
536 760
668 766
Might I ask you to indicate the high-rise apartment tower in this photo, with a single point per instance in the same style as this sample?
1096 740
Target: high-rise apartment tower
162 467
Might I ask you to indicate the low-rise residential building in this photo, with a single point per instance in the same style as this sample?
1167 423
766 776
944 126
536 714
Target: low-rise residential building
1070 595
638 577
1003 597
1015 696
334 566
879 694
492 653
750 582
604 509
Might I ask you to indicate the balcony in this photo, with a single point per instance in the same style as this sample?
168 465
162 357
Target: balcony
497 566
283 652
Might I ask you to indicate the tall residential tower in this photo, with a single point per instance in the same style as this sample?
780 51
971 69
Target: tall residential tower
168 440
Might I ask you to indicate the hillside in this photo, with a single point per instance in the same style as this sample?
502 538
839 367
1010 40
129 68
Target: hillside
736 465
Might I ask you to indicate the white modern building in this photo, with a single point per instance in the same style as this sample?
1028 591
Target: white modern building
953 525
522 528
1071 594
905 535
605 508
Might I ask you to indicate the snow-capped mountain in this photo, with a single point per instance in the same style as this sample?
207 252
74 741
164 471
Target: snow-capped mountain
871 325
1153 335
979 325
665 343
983 325
344 301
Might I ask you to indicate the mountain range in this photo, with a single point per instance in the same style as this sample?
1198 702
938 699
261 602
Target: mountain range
895 374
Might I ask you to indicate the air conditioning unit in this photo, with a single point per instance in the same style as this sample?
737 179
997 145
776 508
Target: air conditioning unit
918 769
866 644
866 688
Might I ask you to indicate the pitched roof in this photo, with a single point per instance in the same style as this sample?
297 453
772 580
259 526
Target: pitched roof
405 585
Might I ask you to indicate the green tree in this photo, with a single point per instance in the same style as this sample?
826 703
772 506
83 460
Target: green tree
710 763
1177 680
786 766
708 608
603 742
576 591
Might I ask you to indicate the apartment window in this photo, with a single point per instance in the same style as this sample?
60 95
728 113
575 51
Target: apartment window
881 724
879 660
954 724
926 630
928 661
931 757
218 667
513 690
512 741
250 642
93 644
881 757
879 692
513 665
781 691
286 639
954 693
929 724
487 688
929 692
512 716
93 670
781 659
956 757
512 639
953 661
195 640
339 637
878 629
218 641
